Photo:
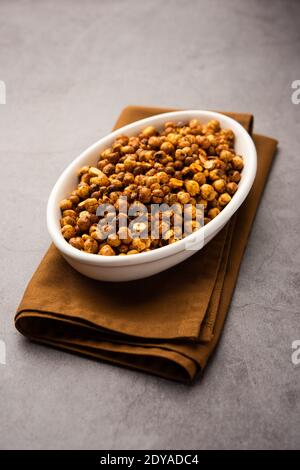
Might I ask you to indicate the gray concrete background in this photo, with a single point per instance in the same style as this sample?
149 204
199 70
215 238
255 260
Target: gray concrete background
69 68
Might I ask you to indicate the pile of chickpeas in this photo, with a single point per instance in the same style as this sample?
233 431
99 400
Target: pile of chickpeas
185 163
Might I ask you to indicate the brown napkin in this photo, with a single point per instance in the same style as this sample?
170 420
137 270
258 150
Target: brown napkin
168 324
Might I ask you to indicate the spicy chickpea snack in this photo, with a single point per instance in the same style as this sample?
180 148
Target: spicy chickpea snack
183 164
169 324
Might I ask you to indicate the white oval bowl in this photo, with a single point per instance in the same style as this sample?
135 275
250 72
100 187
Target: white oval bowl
127 268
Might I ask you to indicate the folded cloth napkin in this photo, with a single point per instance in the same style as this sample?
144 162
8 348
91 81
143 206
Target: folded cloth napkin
168 324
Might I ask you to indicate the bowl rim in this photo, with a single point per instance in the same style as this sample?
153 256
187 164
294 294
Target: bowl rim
208 230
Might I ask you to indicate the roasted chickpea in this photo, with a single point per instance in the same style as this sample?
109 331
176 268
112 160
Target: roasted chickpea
175 183
83 190
231 187
192 187
84 222
154 142
224 199
69 213
93 171
113 240
129 164
77 242
138 244
183 197
234 176
149 131
122 139
145 195
167 147
67 220
102 163
96 233
162 177
127 149
212 213
225 156
128 178
213 125
194 123
65 204
216 174
206 190
219 185
195 167
107 250
90 245
108 169
68 231
157 196
237 163
90 204
101 179
132 252
74 200
172 138
85 178
209 164
123 248
83 170
200 178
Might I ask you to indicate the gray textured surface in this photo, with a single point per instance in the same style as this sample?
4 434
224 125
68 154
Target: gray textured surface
69 68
